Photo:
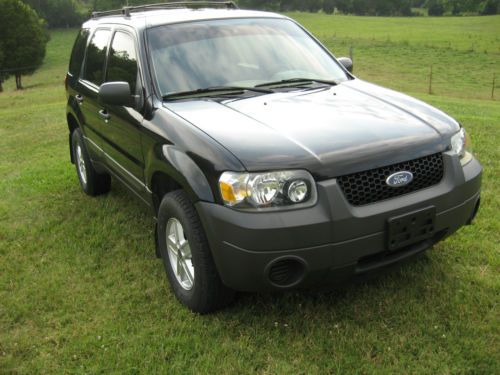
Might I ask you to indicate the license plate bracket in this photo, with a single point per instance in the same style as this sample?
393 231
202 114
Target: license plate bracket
410 228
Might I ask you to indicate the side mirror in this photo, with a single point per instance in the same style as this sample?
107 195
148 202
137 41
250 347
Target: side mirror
115 93
347 63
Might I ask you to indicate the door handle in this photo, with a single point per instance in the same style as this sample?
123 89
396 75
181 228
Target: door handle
104 115
79 99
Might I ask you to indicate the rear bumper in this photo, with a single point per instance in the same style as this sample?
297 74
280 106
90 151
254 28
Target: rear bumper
331 241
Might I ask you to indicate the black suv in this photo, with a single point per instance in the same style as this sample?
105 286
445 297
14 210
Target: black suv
266 163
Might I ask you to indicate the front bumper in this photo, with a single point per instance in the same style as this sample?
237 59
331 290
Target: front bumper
332 240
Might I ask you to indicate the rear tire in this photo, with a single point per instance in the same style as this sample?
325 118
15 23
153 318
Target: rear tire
187 258
92 183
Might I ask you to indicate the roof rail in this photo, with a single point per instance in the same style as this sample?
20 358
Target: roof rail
126 11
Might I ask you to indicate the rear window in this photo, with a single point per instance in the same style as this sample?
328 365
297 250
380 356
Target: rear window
76 61
96 55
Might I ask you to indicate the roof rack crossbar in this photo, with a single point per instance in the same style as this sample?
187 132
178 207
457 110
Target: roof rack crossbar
126 11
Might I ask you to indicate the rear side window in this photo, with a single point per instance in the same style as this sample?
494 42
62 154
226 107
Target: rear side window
76 61
96 55
122 64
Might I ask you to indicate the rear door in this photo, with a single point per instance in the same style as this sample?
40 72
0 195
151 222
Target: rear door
88 87
76 60
121 125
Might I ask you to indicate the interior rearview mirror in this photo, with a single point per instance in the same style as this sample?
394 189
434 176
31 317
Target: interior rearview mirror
347 63
115 93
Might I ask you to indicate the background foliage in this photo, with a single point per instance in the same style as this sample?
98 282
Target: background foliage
67 13
60 13
22 45
380 7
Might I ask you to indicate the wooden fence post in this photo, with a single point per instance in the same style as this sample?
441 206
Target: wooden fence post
430 81
493 86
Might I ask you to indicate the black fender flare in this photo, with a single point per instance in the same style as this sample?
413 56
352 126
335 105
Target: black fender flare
74 120
178 166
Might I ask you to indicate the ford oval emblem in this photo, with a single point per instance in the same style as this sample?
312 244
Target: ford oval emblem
399 179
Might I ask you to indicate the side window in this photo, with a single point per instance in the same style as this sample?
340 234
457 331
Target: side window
76 61
96 54
122 63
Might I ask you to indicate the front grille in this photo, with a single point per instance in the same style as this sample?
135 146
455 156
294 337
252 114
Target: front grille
370 186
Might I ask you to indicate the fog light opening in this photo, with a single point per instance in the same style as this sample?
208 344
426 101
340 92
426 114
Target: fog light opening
286 272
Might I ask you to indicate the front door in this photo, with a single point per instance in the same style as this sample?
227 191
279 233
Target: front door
121 125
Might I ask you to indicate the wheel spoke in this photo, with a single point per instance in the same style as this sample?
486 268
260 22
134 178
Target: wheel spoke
185 249
172 243
180 268
179 254
187 272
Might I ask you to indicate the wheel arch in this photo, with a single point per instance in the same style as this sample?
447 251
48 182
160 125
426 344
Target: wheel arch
176 170
161 184
72 125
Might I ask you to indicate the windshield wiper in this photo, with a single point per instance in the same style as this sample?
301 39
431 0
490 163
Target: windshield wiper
297 82
232 90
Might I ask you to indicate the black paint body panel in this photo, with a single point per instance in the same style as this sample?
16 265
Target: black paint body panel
333 239
328 131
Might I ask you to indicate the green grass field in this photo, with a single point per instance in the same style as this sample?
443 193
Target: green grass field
82 292
464 52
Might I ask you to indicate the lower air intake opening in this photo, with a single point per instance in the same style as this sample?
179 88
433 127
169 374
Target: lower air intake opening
286 272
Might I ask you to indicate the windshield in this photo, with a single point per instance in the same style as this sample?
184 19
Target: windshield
236 52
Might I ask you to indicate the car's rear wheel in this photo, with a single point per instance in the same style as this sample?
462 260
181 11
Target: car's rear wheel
186 256
92 183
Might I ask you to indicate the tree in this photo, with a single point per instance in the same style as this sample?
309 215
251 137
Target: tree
23 39
344 6
57 13
314 6
3 75
436 8
329 6
491 7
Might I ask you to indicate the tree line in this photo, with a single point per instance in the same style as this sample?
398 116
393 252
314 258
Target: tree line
379 7
70 13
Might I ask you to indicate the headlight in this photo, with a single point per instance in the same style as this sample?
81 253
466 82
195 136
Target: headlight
460 145
267 190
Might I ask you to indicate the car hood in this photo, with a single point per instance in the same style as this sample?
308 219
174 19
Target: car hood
329 131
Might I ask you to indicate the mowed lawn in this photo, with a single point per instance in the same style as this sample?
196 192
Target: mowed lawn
82 292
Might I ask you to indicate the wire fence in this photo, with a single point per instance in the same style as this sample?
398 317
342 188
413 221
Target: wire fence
455 73
469 74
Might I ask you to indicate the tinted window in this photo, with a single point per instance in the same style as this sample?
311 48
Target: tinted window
76 61
122 64
96 54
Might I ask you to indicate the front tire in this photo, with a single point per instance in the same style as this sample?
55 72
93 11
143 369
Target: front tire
92 183
187 258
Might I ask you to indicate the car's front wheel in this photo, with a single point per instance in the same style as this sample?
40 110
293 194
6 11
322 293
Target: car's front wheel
186 256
